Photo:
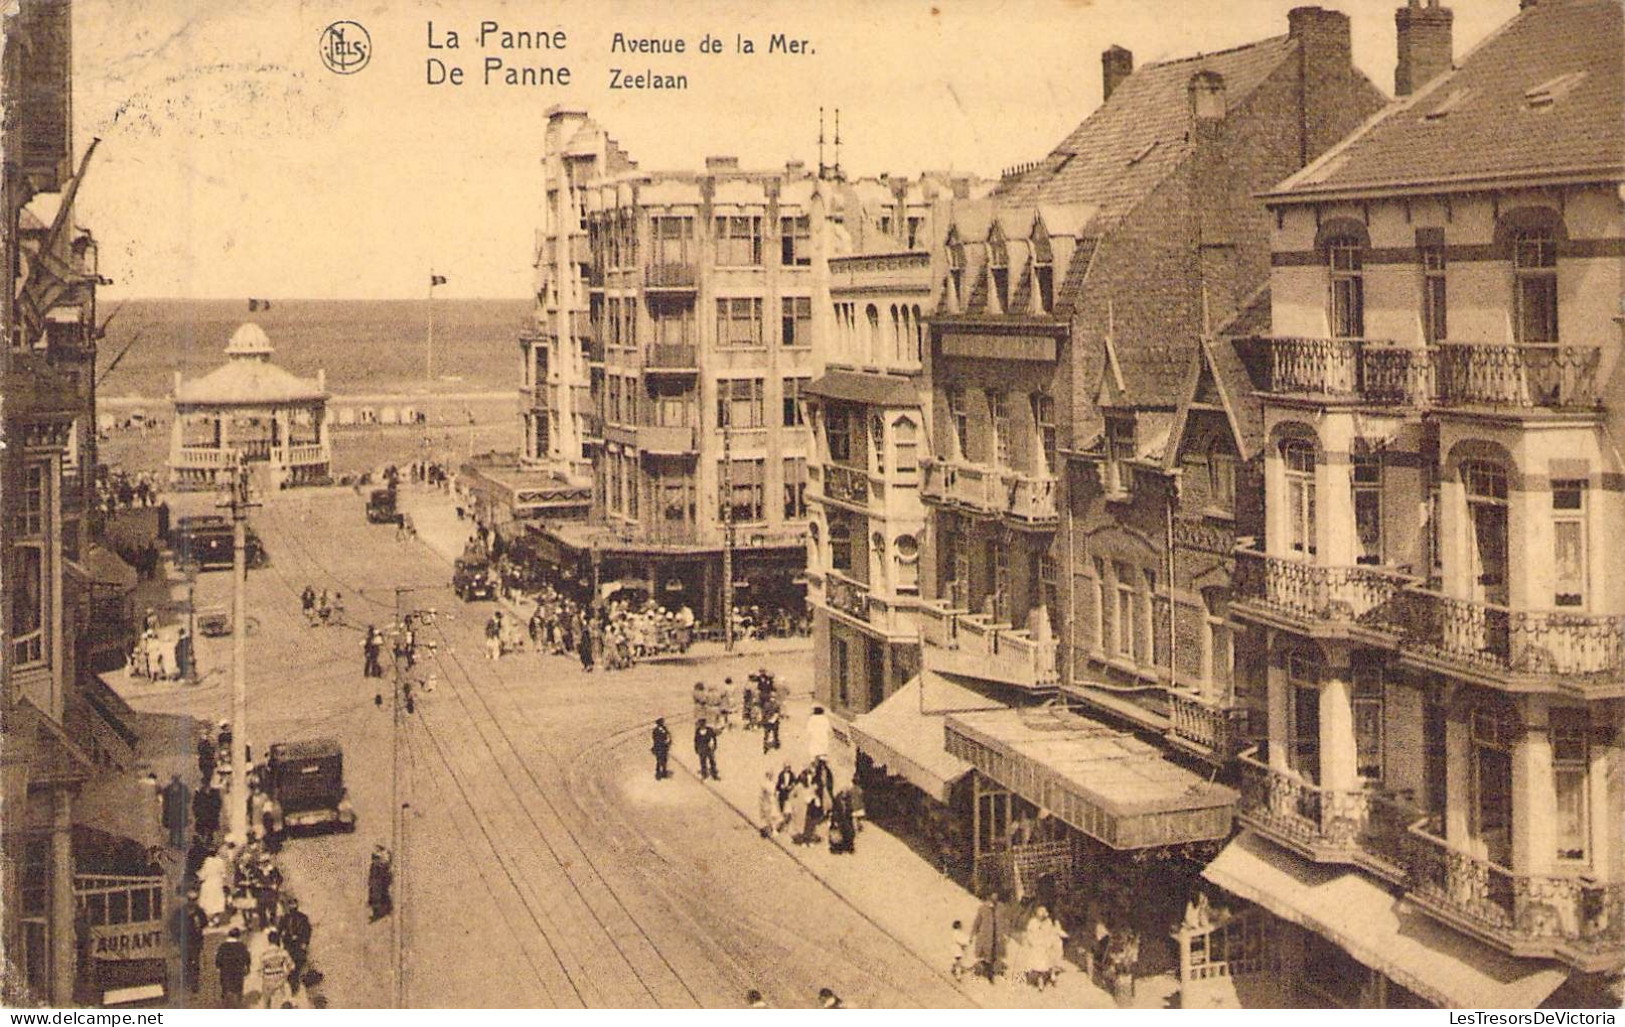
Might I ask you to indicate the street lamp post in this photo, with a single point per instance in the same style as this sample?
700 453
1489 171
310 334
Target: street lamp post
239 506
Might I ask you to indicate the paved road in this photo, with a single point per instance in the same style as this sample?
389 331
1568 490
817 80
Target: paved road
541 865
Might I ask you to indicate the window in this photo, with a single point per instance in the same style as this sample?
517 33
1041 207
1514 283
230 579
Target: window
840 544
1569 541
795 321
1493 732
960 417
739 321
907 548
1044 275
739 403
28 603
998 268
742 484
613 472
677 500
956 276
1303 683
1125 616
877 441
673 322
999 413
1049 589
906 446
795 241
612 322
1102 620
1344 259
673 240
1534 263
838 432
1571 765
1367 704
998 558
795 488
914 226
30 517
793 414
1368 508
1119 452
1435 324
1299 460
1221 476
739 240
1044 419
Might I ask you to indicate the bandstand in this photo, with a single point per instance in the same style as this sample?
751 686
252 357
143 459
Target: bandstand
253 410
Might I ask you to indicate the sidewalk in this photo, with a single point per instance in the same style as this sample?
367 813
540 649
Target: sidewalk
885 879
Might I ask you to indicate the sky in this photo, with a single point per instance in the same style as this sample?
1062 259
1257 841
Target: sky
233 163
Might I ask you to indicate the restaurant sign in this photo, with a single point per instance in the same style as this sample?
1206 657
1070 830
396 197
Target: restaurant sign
142 940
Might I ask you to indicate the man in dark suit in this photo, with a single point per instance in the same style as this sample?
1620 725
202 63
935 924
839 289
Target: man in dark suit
705 746
661 747
232 960
294 927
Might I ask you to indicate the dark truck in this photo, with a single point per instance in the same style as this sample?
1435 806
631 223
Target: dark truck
471 578
205 543
381 507
305 781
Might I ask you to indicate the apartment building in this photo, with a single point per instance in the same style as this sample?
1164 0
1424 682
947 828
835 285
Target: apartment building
1436 815
674 334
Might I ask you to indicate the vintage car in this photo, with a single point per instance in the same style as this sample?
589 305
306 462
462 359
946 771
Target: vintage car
381 507
471 579
305 782
205 543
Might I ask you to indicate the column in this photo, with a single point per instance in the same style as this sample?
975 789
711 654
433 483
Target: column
64 954
1339 766
1279 698
1334 501
1458 761
1534 793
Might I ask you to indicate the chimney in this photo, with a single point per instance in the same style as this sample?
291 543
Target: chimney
1426 47
1116 64
1325 75
722 163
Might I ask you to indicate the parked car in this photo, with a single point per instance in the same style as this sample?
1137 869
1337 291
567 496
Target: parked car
205 543
471 579
381 507
305 781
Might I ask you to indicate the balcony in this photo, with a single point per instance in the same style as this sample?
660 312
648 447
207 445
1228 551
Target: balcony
306 455
1482 639
975 646
1320 823
846 595
848 485
666 439
1027 500
1350 369
581 325
1576 919
1030 499
1218 730
1518 377
1296 593
671 277
670 358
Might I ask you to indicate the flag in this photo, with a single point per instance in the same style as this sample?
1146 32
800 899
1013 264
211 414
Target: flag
435 280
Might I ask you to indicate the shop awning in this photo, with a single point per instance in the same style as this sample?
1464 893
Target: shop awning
1387 934
905 732
1107 783
881 390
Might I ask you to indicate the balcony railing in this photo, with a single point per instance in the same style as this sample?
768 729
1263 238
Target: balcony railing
1030 499
1396 375
1518 376
672 357
1323 823
1315 592
848 596
1527 914
308 454
1025 498
1319 367
974 645
1498 639
665 438
670 276
846 484
1222 730
190 457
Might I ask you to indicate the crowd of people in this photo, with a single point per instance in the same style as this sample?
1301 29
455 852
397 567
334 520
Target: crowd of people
322 608
123 490
995 949
240 887
161 653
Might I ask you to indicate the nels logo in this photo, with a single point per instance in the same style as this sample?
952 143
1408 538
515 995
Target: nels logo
345 47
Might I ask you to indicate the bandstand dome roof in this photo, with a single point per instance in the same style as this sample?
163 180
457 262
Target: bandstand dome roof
248 377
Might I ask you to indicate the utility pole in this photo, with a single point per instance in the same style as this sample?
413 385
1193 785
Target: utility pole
726 488
239 506
398 807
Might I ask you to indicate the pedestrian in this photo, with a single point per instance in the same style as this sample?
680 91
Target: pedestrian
725 704
207 753
767 806
705 746
817 735
176 800
493 636
754 1000
380 877
784 787
661 747
233 961
770 723
823 781
585 635
961 942
307 604
275 967
195 923
842 833
764 685
295 929
324 607
185 661
985 937
371 649
747 706
702 699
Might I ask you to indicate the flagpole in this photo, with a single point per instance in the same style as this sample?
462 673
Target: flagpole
428 364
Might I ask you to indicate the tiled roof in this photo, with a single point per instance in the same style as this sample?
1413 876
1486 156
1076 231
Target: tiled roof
1137 137
1486 122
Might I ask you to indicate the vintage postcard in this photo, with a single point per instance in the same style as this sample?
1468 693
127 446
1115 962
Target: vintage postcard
918 504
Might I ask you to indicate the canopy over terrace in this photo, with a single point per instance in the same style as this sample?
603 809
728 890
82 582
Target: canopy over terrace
251 410
1104 783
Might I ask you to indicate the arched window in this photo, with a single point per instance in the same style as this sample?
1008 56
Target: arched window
896 333
919 336
1485 482
873 341
1344 261
1298 461
1534 298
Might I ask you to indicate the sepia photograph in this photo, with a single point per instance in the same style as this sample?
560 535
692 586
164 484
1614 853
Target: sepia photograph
1105 505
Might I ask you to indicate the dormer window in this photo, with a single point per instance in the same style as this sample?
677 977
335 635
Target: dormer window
1043 271
998 269
1119 453
956 276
